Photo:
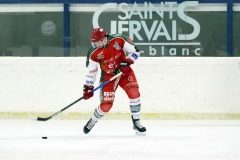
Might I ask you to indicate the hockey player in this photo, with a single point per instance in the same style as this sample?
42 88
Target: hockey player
114 53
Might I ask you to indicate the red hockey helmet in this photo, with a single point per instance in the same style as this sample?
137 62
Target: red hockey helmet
98 34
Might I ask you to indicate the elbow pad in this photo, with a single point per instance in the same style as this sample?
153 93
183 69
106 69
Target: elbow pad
133 56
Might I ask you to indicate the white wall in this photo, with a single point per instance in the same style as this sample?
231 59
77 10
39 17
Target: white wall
181 85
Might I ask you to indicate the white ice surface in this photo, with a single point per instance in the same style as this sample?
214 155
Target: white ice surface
115 140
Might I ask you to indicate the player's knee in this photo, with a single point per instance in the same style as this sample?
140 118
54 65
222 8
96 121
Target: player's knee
105 107
133 93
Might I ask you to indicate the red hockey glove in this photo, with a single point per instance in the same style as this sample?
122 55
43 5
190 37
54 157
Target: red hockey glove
87 91
124 67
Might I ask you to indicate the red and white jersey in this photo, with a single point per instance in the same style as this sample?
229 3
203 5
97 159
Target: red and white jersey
117 49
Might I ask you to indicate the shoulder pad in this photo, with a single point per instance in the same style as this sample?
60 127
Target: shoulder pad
119 35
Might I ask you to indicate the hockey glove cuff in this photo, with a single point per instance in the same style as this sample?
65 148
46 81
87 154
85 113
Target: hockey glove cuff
87 91
124 67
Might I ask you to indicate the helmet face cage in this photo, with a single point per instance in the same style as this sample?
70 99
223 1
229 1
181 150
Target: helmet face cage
98 34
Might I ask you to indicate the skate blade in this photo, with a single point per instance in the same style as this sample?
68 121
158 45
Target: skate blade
140 133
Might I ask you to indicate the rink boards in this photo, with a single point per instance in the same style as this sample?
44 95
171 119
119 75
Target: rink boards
171 88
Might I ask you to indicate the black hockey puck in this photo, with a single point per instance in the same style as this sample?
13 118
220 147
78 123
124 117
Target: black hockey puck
44 137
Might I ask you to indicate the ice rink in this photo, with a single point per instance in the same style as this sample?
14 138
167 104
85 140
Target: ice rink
115 140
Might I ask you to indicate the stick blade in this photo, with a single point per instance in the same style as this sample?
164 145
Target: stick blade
43 119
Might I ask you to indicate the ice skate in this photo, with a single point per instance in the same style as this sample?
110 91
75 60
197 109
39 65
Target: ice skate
140 130
90 124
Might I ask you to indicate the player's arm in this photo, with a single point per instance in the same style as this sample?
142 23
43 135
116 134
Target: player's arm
132 55
91 73
132 50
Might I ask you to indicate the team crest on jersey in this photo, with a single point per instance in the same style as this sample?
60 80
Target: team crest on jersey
100 55
116 45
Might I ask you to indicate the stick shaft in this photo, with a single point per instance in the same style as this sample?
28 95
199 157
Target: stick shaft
100 86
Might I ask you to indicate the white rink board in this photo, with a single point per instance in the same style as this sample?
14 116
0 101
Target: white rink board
169 84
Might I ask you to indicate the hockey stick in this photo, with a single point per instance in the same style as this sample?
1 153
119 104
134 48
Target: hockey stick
100 86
